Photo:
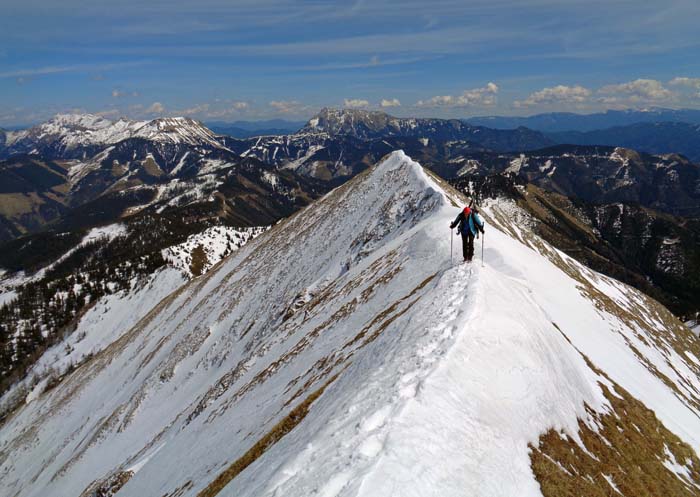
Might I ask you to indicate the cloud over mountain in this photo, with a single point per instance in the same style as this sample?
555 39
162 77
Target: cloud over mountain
475 97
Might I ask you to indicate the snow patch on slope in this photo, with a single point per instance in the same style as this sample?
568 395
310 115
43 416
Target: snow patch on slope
216 242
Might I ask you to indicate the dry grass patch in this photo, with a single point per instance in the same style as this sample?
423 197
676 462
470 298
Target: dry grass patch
625 456
286 425
109 486
199 261
179 491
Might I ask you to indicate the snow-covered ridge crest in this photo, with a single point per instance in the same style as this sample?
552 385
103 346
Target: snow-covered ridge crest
341 354
74 130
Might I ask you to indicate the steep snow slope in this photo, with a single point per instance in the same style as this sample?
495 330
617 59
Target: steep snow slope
341 354
102 324
177 130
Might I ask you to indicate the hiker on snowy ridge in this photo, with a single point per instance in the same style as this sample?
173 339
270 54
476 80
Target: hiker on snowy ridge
470 223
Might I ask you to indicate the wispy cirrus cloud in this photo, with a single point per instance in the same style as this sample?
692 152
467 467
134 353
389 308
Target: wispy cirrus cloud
45 70
117 93
374 61
414 44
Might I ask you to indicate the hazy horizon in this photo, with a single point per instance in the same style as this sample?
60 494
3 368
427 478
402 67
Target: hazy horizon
301 121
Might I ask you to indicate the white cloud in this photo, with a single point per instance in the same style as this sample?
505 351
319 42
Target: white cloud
355 103
156 108
197 109
559 94
637 92
228 109
219 109
392 102
286 106
476 97
692 82
632 94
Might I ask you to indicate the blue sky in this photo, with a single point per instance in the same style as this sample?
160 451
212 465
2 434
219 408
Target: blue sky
230 60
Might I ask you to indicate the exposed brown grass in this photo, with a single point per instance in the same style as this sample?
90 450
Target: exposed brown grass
287 424
179 491
109 486
199 261
152 168
629 448
16 204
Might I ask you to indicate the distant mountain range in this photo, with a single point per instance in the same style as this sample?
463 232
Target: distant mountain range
374 124
77 171
246 129
655 138
568 121
85 170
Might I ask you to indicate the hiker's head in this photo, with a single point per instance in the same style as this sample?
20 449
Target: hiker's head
467 211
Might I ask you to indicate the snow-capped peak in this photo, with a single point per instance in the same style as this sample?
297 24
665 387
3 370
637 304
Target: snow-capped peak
345 352
73 130
177 130
346 121
85 121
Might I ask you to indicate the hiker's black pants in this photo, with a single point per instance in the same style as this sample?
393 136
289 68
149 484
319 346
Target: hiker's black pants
467 246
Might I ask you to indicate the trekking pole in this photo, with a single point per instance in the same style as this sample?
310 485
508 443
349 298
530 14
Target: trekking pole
482 249
452 235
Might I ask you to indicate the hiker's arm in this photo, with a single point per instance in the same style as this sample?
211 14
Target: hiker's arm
456 221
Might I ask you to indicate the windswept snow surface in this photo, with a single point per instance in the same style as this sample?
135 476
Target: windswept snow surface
438 375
